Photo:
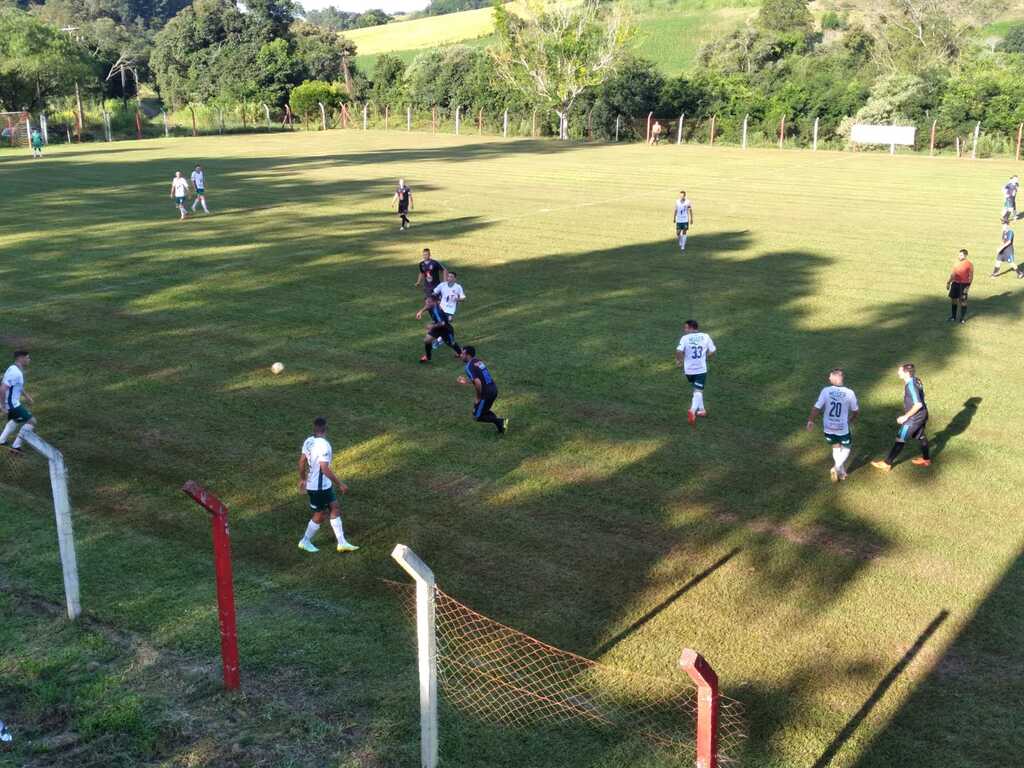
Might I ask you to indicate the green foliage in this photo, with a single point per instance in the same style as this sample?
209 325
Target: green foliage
442 7
1013 41
786 17
634 90
38 62
388 81
832 20
987 88
306 98
338 21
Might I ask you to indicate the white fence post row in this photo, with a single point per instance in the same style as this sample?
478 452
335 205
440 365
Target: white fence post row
679 130
746 119
814 145
458 119
974 146
504 125
62 511
426 645
42 127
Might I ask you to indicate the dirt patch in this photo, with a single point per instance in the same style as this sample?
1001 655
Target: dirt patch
815 536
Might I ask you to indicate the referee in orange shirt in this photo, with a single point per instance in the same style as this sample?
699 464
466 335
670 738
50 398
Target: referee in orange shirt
958 284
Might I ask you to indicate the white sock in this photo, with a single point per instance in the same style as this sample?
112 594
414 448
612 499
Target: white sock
17 440
694 401
194 204
311 530
8 430
338 530
699 397
841 453
205 209
682 242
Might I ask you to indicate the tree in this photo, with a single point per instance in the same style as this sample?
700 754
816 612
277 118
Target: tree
371 18
306 99
917 35
559 50
786 16
38 62
321 54
1013 41
388 81
634 90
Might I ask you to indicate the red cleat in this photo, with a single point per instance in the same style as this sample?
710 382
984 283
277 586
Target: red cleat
702 413
921 462
692 418
424 359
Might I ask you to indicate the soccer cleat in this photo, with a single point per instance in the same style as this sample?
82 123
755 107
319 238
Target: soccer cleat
882 465
692 418
346 547
15 451
834 474
702 413
307 546
921 462
424 359
502 426
963 322
843 476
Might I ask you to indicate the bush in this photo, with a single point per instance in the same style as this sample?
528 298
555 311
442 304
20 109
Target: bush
832 20
306 98
1013 42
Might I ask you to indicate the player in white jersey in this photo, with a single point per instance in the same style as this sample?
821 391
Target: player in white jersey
838 403
449 295
319 481
179 191
12 391
683 217
199 184
692 354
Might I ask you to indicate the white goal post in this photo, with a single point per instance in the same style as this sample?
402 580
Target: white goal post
62 511
892 135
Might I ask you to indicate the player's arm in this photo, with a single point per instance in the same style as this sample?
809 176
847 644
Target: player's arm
854 413
325 468
303 471
394 199
419 280
411 207
24 394
691 215
917 406
680 356
815 410
3 395
949 280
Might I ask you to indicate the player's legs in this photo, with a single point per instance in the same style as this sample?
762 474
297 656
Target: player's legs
926 457
681 230
28 426
315 521
428 344
339 532
448 337
482 412
202 199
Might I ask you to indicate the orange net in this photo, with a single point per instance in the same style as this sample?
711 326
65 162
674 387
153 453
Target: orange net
503 675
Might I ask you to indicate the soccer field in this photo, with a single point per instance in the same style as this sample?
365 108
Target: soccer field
875 623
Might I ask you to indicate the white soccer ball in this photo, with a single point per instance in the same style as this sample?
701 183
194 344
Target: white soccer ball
277 368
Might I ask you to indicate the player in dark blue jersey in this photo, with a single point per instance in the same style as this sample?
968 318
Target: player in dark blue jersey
431 274
440 328
911 423
480 378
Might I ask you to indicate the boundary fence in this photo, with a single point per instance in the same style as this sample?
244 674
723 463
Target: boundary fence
147 120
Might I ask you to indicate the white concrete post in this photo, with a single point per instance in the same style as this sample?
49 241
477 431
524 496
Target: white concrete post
679 131
62 511
167 130
746 119
618 120
458 119
42 127
504 125
408 118
365 108
426 645
974 146
323 115
266 111
814 145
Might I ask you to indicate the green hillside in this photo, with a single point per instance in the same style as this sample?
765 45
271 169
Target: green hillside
668 32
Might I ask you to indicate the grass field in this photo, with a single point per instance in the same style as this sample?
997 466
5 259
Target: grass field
668 32
869 625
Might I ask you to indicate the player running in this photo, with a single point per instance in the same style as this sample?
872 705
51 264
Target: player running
486 390
912 422
839 404
440 329
430 275
319 481
12 392
199 184
449 294
692 354
179 191
403 198
958 284
1010 198
37 143
1005 253
683 217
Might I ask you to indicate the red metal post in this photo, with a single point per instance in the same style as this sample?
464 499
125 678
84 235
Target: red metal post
225 586
704 677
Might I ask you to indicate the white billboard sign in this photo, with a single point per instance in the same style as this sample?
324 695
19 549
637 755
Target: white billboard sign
892 135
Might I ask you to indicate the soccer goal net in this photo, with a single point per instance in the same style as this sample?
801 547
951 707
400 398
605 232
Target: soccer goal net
14 129
502 675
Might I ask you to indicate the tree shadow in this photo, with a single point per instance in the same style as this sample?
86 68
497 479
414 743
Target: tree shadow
967 711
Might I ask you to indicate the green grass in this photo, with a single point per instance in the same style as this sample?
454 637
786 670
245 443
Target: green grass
152 342
668 32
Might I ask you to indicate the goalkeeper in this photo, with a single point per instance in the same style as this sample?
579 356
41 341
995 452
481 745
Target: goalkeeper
37 143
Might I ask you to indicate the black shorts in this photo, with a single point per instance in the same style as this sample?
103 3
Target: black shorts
682 227
443 332
912 429
959 291
487 398
402 210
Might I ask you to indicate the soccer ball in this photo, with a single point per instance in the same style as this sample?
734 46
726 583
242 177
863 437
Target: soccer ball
276 368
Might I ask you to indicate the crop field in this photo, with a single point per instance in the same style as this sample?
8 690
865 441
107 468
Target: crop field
869 624
667 32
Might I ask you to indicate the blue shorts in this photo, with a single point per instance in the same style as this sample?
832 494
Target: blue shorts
179 200
697 379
